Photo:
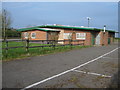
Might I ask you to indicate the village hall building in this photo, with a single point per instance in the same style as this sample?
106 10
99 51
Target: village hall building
90 36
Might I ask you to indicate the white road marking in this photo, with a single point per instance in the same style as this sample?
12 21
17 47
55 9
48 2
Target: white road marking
42 81
92 73
109 57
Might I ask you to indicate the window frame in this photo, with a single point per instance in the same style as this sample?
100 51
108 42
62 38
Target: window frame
83 37
32 34
26 35
67 35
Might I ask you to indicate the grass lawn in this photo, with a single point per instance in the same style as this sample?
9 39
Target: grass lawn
17 53
117 39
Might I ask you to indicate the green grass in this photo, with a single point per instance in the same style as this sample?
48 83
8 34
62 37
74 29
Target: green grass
18 53
117 39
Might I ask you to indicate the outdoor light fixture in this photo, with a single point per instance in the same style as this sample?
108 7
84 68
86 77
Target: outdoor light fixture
88 18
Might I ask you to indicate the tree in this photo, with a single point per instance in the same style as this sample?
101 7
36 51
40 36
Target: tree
6 22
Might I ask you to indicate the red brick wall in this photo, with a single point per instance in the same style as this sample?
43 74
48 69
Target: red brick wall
87 41
104 38
40 35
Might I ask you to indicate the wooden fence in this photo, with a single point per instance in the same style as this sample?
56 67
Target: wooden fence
43 43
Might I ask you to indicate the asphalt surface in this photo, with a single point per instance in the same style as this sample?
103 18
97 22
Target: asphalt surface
24 72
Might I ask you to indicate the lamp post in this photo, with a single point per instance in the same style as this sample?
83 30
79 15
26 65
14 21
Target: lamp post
88 18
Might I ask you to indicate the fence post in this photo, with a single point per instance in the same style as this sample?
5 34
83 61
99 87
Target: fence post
83 43
27 46
64 43
6 50
71 43
54 44
42 43
78 42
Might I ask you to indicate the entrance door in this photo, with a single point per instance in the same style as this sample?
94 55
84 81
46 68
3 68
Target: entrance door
93 39
97 39
108 40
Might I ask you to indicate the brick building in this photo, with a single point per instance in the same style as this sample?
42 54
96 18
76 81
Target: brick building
90 36
36 33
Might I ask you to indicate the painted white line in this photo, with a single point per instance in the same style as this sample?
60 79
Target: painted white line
92 73
37 83
109 58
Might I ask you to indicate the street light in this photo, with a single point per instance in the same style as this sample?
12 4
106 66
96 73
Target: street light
88 18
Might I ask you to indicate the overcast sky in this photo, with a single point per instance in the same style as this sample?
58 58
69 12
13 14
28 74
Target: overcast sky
67 13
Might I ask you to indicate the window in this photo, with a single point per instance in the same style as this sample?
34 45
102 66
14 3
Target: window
53 33
33 35
26 35
80 35
67 35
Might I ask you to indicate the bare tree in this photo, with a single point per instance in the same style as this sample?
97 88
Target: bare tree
6 22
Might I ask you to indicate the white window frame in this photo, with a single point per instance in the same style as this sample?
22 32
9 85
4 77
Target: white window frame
32 34
67 35
26 35
81 36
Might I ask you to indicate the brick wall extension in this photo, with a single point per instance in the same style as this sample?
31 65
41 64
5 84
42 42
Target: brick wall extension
40 35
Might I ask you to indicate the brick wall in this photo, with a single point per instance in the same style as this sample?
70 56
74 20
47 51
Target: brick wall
87 41
104 38
40 35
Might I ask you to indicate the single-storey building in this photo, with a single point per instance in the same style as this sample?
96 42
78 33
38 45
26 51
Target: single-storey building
36 33
90 36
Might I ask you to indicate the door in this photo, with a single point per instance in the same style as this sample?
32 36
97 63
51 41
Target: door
93 39
97 39
108 40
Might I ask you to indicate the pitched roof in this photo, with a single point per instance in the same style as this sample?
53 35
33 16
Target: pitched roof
48 28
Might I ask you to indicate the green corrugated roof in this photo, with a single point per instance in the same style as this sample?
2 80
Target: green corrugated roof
37 28
70 27
25 29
